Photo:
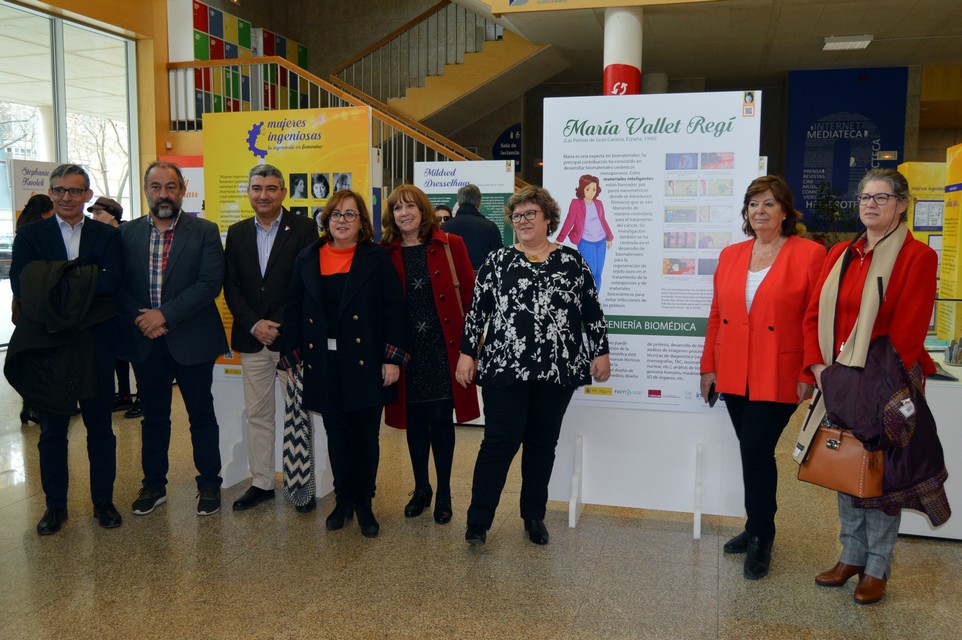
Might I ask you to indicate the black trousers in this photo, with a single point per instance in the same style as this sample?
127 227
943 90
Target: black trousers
353 445
101 442
155 378
430 426
758 426
524 413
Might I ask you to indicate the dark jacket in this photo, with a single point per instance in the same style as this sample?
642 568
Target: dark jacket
192 282
50 360
370 329
480 235
250 296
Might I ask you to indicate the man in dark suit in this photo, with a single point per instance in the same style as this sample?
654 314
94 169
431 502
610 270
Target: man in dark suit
66 236
260 254
174 269
480 235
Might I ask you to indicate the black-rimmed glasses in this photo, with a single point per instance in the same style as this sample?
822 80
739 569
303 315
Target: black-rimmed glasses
348 216
530 214
879 198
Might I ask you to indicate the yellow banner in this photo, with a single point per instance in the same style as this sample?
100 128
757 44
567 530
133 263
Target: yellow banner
948 321
317 150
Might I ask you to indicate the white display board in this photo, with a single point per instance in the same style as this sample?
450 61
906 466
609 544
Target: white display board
670 171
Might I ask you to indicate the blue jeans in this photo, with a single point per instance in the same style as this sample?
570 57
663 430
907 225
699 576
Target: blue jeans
594 254
155 377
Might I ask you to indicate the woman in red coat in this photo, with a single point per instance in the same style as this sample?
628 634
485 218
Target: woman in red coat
438 282
753 349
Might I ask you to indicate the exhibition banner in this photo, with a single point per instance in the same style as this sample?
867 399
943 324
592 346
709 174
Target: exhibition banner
28 178
440 181
948 321
319 151
925 212
841 123
667 174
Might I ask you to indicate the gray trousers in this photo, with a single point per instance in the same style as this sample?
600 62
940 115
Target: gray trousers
867 536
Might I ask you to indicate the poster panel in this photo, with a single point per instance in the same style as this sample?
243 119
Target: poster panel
841 123
948 322
670 172
319 151
927 182
440 181
28 178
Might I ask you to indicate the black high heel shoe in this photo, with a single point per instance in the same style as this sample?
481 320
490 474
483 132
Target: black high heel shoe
420 500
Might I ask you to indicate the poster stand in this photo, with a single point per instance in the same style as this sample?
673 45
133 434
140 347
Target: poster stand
575 505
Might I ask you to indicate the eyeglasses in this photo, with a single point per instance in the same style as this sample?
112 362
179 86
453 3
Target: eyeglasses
75 192
443 218
348 216
879 198
531 214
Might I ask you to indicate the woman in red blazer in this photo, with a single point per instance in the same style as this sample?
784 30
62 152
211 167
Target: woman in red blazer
754 346
436 301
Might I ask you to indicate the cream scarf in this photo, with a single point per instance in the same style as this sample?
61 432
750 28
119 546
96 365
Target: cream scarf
855 348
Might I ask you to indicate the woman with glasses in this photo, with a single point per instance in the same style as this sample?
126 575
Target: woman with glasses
344 329
438 281
753 349
525 338
883 283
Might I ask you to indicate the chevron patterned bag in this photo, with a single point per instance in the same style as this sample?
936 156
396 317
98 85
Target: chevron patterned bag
298 444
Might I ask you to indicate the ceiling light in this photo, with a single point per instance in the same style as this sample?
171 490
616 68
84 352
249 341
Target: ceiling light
841 43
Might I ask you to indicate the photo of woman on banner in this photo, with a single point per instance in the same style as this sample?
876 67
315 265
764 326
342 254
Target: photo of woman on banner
438 281
320 185
753 349
586 226
342 181
536 311
879 286
298 186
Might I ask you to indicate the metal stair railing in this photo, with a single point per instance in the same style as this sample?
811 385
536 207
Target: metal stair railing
421 47
264 84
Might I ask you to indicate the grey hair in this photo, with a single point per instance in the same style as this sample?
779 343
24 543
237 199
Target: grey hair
470 194
266 171
70 170
894 179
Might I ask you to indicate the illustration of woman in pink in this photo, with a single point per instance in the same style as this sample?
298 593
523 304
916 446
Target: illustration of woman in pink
586 227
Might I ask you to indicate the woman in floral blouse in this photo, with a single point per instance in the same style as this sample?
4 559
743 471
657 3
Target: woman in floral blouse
538 302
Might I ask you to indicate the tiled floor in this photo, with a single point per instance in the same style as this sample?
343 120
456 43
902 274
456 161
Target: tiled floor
274 573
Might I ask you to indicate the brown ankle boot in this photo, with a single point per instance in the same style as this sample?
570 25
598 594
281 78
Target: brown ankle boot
837 575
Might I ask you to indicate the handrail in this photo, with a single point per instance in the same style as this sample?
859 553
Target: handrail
391 36
402 140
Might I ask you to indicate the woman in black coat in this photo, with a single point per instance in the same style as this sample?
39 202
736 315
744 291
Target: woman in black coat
344 327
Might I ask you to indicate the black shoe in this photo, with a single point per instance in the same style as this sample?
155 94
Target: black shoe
537 532
208 501
253 497
475 535
107 515
135 410
343 510
147 500
738 544
442 510
420 500
122 403
307 507
51 521
367 521
758 559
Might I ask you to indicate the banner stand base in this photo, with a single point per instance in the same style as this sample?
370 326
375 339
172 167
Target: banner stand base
575 502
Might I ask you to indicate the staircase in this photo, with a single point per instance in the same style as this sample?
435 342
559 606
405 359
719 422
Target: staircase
448 67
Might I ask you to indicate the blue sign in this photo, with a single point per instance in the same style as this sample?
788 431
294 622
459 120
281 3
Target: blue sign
838 123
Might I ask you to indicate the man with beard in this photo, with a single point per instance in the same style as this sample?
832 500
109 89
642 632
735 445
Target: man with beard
174 269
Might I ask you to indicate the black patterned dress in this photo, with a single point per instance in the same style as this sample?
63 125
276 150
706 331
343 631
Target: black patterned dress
427 375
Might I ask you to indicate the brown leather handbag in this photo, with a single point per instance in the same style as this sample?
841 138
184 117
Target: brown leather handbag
837 460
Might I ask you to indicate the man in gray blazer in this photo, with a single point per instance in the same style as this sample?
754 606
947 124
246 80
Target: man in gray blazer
260 254
174 269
